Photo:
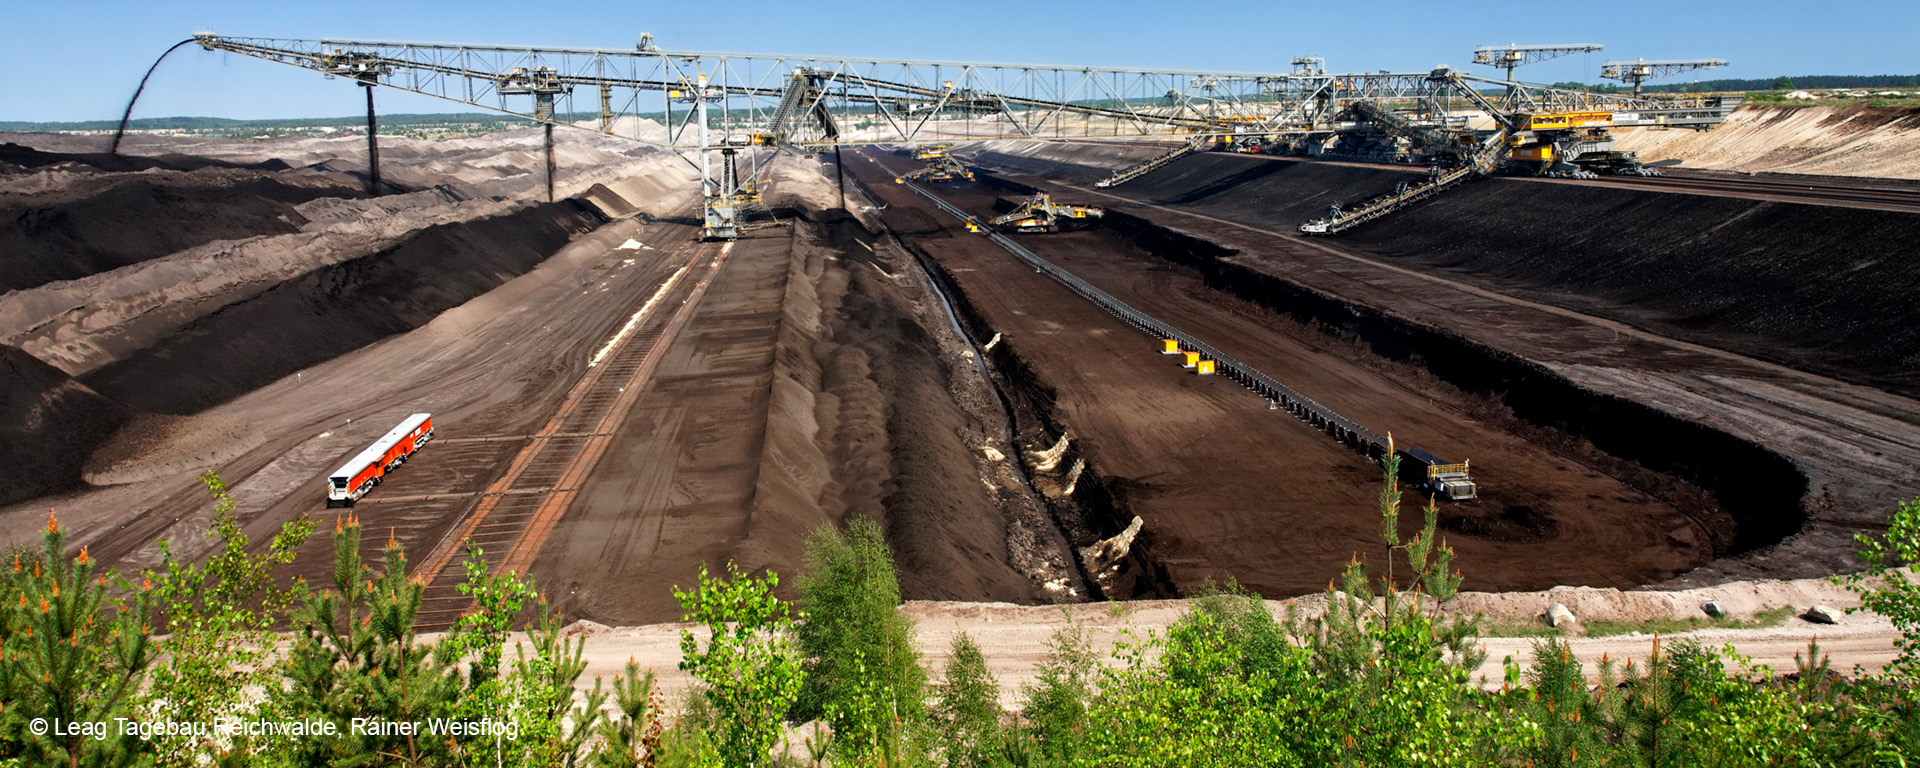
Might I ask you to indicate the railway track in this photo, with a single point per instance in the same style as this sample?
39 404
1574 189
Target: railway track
511 519
1903 199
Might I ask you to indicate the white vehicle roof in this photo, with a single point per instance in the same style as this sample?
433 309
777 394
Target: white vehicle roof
380 446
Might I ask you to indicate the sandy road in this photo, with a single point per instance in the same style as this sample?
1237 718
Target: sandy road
1014 640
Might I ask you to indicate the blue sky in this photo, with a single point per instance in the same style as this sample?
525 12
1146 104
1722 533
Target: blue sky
81 60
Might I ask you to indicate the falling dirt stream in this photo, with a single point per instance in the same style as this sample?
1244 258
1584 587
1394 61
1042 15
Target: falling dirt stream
122 131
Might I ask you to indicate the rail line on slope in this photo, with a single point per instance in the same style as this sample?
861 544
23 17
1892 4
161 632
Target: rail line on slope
513 517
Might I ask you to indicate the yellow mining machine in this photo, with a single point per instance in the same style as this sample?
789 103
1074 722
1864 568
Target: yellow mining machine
1041 214
945 169
1574 144
931 152
1444 479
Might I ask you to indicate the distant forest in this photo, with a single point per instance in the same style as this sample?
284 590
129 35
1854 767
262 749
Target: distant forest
489 120
1764 84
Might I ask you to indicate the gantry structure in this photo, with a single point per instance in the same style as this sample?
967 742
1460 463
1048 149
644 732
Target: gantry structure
714 107
1639 71
1514 56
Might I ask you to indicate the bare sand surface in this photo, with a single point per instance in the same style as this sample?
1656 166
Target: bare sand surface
1014 638
1880 142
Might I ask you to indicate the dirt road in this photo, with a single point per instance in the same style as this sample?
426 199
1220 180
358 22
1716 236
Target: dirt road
1014 638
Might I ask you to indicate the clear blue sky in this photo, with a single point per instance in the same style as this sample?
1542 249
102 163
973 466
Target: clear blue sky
81 60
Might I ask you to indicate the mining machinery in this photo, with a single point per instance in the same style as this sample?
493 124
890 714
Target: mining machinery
931 152
1551 137
720 110
1152 164
1475 160
947 168
1511 57
1639 71
1041 214
1442 479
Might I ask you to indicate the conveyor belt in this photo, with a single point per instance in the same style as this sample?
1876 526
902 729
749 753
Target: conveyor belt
1321 417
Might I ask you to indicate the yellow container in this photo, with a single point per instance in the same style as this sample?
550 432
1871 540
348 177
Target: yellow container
1170 347
1206 368
1193 359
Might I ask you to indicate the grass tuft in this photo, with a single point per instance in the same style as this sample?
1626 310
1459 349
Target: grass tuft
1668 626
1511 627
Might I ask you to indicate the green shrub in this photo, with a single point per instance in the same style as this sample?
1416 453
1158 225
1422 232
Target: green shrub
219 619
748 663
354 655
1886 589
1207 694
862 672
1063 687
630 738
70 653
968 709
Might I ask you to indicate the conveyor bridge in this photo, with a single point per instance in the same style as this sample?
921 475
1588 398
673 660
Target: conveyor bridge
1485 158
709 103
1135 171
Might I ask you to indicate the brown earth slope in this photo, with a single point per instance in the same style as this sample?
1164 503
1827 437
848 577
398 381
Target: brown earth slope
1858 447
1229 489
812 385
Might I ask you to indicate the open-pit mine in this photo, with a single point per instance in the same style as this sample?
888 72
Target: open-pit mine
1112 340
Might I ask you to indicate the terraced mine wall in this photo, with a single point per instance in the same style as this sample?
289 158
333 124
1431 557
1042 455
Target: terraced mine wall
1822 288
1097 508
1762 490
337 309
947 535
136 220
49 423
1836 140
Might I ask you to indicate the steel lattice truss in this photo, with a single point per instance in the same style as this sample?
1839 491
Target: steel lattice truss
1511 56
808 104
1643 69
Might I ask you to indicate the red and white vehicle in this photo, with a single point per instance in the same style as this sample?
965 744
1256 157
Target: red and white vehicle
360 474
